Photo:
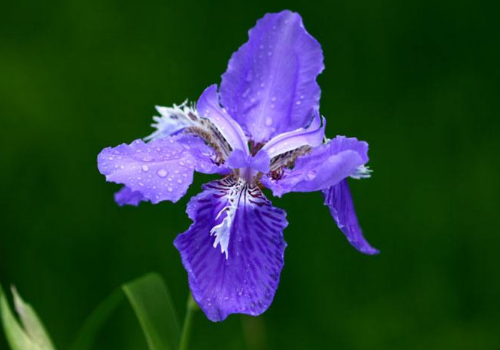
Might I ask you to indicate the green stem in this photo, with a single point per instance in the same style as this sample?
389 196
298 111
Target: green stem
191 308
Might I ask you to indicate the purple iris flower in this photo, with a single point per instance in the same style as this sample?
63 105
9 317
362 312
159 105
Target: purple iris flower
261 128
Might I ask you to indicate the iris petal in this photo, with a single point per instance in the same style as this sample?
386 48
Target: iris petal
125 196
238 270
311 136
339 200
161 169
208 107
270 83
172 121
324 167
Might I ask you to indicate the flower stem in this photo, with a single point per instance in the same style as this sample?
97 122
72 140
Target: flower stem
191 308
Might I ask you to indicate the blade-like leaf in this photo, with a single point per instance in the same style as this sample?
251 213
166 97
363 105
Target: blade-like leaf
95 321
153 307
33 337
32 323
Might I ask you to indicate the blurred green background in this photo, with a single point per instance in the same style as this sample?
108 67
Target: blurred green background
418 80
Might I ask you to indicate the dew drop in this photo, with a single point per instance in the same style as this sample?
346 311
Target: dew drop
269 121
145 168
311 174
170 189
162 173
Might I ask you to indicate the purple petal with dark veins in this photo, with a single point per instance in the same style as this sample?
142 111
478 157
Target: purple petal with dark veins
233 252
161 169
208 107
324 167
125 196
270 83
339 201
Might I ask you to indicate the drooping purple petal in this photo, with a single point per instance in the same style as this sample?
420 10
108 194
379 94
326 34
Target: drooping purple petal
270 83
324 167
233 252
161 169
125 196
339 201
311 136
208 107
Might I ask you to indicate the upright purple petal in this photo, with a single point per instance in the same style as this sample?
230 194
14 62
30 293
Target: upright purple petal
233 252
324 167
270 83
208 107
161 169
125 196
339 201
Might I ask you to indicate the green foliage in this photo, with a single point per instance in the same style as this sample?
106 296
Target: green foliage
148 296
418 80
29 333
153 307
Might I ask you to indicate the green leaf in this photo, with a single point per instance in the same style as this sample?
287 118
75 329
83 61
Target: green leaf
31 335
153 307
151 302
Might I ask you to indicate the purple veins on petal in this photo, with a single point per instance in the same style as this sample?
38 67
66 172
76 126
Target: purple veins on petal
161 169
244 280
270 84
339 200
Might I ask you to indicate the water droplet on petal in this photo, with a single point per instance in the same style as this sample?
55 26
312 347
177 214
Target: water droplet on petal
145 168
311 174
162 173
269 121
